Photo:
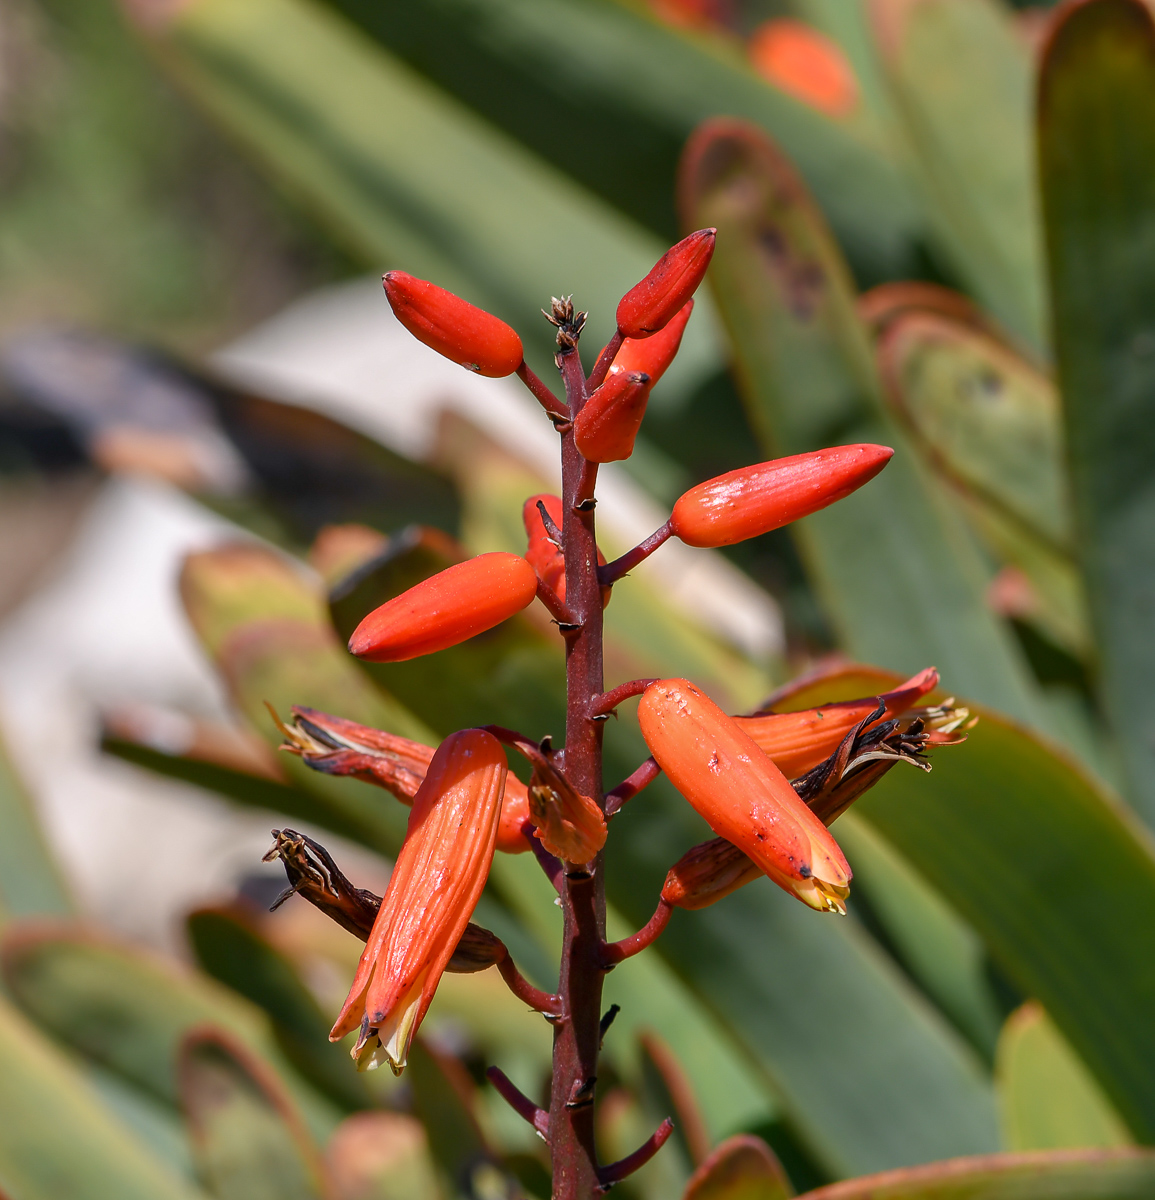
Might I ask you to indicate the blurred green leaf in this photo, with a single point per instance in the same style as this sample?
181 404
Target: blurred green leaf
983 415
941 952
893 564
231 949
129 1010
58 1139
1016 837
30 880
989 422
1048 1098
1097 167
741 1168
961 76
382 1156
1120 1174
407 176
641 87
248 1142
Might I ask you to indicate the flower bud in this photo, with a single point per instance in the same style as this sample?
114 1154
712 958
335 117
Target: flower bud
796 742
653 355
478 950
753 500
706 874
447 608
435 885
461 331
608 423
542 553
653 303
741 794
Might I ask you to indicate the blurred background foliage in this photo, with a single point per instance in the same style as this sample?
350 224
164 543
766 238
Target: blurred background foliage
935 228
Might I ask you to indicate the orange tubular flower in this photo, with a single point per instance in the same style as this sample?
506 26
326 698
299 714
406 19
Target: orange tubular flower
453 327
741 793
434 888
798 741
753 500
447 608
608 424
653 303
542 553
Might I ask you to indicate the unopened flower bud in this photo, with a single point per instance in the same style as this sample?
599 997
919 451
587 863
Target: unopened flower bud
753 500
608 424
477 950
798 741
741 794
653 303
653 355
435 885
447 608
453 327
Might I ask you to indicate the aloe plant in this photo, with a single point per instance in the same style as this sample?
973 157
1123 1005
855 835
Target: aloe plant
993 994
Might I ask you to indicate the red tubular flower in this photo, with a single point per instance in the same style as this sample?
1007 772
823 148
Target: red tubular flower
447 608
542 553
608 424
744 503
741 793
653 355
653 303
461 331
434 888
798 741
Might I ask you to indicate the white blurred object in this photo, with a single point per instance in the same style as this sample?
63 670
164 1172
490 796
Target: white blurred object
341 351
138 850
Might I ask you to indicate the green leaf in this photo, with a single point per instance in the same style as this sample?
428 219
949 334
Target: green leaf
1048 1098
741 1168
262 619
58 1139
382 1156
129 1010
893 564
1016 837
30 880
407 176
231 950
941 952
961 75
1121 1174
989 423
641 87
1097 167
248 1141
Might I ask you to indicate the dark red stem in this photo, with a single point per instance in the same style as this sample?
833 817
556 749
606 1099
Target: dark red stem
612 572
605 704
519 1101
517 983
577 1034
629 788
542 394
625 1167
649 933
605 361
556 606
